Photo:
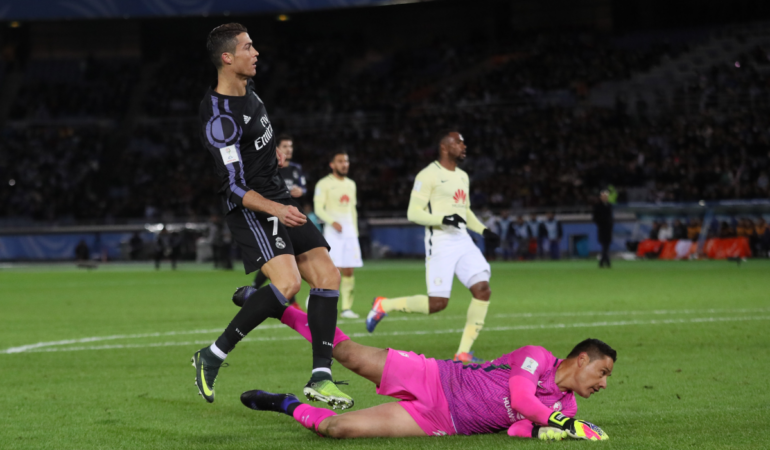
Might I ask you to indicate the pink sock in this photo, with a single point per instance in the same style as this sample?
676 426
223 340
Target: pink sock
311 417
297 320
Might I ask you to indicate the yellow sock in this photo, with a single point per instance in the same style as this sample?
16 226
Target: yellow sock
477 312
346 292
413 304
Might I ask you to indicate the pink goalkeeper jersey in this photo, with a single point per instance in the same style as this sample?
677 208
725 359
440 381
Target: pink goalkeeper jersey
479 394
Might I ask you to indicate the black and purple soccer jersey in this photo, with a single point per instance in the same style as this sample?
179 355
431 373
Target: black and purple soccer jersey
292 176
238 133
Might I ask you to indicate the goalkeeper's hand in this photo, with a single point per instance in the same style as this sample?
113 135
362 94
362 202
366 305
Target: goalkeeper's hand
453 220
577 429
491 237
548 433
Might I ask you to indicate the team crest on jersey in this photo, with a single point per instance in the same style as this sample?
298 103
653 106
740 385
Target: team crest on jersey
279 243
557 406
345 199
460 196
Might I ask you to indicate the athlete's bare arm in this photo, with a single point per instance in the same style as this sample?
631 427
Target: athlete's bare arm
287 214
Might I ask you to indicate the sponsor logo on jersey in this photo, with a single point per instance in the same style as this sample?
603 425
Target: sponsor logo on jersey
279 243
246 119
460 196
345 199
262 141
508 408
530 365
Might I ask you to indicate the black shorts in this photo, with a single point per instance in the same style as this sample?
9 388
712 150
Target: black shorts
262 237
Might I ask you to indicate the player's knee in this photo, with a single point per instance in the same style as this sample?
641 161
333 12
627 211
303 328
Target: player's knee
329 279
288 286
437 304
481 291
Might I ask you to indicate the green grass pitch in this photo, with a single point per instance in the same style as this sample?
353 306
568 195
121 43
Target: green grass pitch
102 357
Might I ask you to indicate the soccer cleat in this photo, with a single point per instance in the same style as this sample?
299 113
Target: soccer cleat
375 315
241 294
267 401
206 368
468 358
326 391
349 314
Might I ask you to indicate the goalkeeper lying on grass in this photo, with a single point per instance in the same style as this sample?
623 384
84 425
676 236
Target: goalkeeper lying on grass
528 392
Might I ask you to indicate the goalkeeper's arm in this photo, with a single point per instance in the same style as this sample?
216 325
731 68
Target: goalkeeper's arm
542 419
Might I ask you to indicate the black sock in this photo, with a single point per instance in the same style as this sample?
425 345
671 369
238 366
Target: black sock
259 280
322 321
265 302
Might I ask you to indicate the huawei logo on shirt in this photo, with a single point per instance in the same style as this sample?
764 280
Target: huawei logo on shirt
460 196
344 200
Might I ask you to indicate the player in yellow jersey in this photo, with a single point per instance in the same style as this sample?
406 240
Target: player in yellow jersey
439 201
334 202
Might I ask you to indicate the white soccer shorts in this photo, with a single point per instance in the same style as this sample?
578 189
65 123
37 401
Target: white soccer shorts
345 250
453 255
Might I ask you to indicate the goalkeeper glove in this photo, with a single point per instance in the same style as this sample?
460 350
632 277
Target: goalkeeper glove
548 433
577 429
453 221
491 237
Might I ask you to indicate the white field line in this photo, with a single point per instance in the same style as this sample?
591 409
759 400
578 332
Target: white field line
621 323
410 317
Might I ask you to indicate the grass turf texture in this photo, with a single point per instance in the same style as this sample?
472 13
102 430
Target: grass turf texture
691 337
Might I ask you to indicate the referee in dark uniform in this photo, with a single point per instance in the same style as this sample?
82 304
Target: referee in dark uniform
604 222
263 219
292 175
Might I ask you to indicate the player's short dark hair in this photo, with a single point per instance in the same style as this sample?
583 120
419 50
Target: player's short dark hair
223 39
595 348
283 137
333 154
441 135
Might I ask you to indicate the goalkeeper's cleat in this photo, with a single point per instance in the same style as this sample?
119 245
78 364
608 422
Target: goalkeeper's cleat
206 369
349 314
326 391
267 401
577 429
375 315
468 358
548 433
241 294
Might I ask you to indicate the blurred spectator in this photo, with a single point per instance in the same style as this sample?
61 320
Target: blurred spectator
135 245
762 233
655 230
502 228
82 252
520 231
533 229
665 233
679 230
694 229
553 234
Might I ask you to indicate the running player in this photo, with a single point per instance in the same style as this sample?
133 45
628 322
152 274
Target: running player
292 175
263 218
439 201
335 203
529 392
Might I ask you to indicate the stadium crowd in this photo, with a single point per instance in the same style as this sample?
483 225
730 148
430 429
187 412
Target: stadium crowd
384 108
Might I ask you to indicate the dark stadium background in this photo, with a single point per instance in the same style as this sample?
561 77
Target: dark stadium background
663 102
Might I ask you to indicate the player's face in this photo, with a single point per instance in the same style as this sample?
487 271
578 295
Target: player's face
456 146
244 61
340 165
287 149
592 375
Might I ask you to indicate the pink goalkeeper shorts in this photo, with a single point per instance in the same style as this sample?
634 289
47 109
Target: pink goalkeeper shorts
415 380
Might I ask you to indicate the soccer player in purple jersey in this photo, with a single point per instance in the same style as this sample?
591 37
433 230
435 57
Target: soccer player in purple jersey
528 392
